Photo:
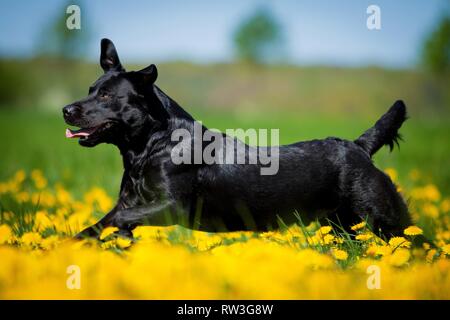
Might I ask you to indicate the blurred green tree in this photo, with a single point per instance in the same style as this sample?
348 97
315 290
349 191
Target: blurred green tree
436 50
10 81
258 38
58 40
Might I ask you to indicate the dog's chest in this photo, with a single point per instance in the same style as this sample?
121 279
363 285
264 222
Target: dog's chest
141 185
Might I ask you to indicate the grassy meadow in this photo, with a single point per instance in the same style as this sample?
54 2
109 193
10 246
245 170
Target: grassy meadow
50 188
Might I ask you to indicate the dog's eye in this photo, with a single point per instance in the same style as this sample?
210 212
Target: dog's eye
104 95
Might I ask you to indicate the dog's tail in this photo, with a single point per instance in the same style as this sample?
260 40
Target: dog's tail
385 130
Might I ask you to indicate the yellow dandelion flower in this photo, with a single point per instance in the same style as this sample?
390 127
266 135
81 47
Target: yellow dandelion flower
123 242
443 235
446 249
108 244
5 233
324 230
31 238
328 239
431 255
372 250
99 196
412 231
38 178
358 226
8 215
43 198
20 176
364 236
42 220
62 195
4 188
267 234
50 242
399 242
430 210
431 192
340 254
392 173
383 250
399 257
445 205
314 240
22 197
107 232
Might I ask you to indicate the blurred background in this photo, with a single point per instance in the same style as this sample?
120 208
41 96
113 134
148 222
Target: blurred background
310 68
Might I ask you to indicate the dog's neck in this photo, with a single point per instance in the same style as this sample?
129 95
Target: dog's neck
173 109
151 134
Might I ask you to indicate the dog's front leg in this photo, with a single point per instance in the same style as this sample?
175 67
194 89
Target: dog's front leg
161 214
95 230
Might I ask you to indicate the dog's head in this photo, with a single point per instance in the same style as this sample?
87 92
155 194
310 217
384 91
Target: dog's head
120 106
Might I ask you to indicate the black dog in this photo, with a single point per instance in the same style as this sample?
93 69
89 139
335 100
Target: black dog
331 178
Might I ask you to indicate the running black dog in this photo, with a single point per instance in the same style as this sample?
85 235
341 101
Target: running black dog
331 179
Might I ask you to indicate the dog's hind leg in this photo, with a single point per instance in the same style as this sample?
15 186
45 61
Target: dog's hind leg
342 218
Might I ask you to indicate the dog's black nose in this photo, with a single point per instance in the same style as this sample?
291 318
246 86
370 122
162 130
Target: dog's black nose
70 110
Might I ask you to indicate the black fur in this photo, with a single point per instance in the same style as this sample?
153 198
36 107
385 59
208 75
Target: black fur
331 178
385 130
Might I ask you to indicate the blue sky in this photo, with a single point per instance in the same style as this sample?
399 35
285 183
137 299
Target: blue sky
316 32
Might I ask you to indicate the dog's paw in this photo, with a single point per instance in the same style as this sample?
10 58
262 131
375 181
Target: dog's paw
125 233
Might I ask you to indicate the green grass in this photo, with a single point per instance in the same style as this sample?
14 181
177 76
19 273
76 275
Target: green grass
35 139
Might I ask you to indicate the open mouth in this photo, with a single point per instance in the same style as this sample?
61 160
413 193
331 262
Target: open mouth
81 133
85 133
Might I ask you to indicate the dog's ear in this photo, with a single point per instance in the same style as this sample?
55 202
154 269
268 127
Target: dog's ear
149 74
145 79
109 60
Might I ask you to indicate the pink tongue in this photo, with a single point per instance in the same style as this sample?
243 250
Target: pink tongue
71 134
